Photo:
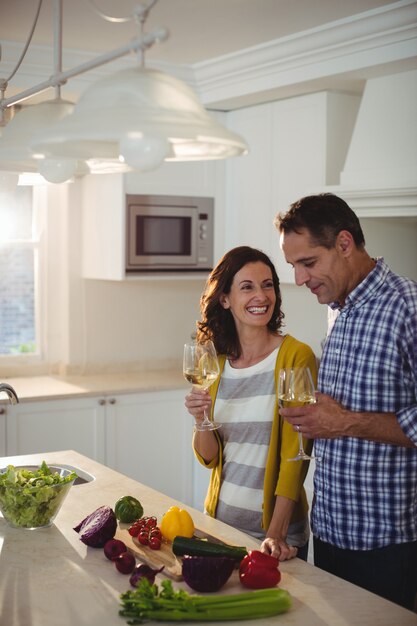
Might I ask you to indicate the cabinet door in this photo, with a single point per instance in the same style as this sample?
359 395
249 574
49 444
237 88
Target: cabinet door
248 220
47 426
149 439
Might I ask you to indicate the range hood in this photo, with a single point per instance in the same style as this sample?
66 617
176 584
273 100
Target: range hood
380 172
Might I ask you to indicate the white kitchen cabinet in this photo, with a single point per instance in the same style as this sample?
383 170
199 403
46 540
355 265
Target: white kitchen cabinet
145 435
148 438
46 426
249 180
297 146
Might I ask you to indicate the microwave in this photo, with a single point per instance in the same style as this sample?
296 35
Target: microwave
169 233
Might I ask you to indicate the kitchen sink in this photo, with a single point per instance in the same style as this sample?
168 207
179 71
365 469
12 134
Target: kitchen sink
82 476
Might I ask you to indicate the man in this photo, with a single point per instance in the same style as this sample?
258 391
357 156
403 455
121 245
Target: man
364 513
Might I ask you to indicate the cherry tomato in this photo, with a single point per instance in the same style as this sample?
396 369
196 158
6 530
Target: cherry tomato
134 529
155 543
143 537
151 522
155 532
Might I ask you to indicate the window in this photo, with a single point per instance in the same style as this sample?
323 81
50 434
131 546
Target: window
19 247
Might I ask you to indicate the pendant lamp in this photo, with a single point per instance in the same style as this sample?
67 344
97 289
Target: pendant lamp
16 154
133 119
139 117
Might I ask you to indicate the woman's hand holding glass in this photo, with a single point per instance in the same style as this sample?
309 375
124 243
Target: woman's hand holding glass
201 368
197 402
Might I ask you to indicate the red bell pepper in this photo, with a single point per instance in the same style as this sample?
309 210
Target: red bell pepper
258 570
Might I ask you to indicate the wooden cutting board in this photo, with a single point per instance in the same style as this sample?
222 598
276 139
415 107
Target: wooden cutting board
156 558
153 558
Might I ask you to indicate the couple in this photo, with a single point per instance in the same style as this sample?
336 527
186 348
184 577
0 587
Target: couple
364 424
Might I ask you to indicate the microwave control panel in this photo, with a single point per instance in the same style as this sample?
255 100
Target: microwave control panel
205 237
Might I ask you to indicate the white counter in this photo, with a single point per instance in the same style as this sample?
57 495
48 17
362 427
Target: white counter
30 388
49 577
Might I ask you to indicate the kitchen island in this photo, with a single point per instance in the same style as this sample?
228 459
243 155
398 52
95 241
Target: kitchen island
48 577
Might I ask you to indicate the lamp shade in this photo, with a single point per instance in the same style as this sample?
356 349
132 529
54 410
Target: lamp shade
141 117
16 153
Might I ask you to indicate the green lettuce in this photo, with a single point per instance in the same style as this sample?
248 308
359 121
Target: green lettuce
30 499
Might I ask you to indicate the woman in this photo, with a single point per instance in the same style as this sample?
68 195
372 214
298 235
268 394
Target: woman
253 486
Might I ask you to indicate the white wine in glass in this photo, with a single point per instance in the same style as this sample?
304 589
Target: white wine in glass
296 387
201 369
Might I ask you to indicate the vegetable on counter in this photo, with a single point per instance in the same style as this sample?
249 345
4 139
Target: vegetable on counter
125 563
31 499
150 602
98 527
201 547
176 522
147 532
259 570
114 548
207 573
128 509
144 571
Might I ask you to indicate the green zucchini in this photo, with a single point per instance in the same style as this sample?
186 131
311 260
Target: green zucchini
201 547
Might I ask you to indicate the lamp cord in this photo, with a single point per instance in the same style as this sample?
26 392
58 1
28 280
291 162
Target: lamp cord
25 49
109 18
140 14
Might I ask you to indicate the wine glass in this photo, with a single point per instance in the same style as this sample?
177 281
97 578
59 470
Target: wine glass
201 368
296 387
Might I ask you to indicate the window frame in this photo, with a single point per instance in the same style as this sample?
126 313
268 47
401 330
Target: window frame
10 363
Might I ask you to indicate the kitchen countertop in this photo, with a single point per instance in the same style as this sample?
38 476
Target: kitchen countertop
48 577
36 388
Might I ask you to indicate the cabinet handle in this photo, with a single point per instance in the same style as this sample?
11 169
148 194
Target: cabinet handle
2 411
112 401
102 402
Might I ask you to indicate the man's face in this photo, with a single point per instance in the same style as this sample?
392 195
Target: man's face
323 271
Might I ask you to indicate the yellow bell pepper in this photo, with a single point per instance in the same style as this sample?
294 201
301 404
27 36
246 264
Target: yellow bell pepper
175 522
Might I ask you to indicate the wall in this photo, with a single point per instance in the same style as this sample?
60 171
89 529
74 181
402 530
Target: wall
139 324
395 240
92 325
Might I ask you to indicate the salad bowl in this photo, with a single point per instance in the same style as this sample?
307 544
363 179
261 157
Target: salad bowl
31 495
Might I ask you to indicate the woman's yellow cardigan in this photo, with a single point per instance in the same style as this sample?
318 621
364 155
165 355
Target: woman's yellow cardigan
281 477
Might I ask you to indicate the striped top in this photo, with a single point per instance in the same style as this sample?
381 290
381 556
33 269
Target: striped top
245 408
281 478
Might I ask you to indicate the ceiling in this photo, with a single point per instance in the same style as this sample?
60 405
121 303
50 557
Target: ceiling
199 29
234 53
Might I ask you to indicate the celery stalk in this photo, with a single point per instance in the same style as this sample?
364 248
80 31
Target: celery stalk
148 602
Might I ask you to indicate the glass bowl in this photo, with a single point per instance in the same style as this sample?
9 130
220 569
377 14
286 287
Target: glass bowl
30 499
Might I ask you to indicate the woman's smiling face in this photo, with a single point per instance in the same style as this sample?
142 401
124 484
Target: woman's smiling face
252 295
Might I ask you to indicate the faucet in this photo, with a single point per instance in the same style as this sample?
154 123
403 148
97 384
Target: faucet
10 392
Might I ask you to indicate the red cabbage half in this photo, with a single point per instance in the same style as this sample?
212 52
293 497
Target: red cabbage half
207 573
98 527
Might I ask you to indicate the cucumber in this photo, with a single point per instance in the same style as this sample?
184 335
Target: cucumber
201 547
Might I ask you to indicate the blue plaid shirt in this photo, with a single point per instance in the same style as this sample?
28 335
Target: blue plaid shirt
365 493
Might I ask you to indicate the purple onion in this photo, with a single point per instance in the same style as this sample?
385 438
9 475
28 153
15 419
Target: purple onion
144 571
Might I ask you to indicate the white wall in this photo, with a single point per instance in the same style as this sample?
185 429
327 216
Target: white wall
93 325
395 240
305 318
139 324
